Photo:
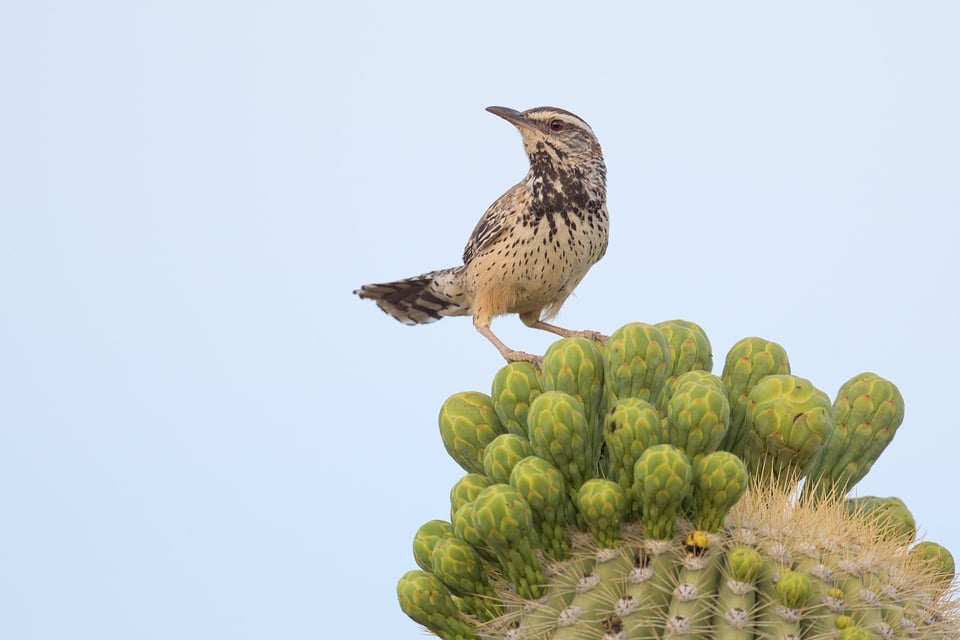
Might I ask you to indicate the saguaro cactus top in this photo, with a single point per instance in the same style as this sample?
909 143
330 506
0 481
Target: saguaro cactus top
626 492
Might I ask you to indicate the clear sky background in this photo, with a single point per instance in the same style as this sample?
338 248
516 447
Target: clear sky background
204 434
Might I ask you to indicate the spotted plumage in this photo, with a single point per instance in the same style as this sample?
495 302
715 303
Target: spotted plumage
532 246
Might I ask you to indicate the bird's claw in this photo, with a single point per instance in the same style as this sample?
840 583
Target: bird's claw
596 336
522 356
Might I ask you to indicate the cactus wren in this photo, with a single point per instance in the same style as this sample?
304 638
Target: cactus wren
532 246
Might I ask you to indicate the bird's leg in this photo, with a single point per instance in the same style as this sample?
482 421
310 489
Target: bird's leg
510 355
532 320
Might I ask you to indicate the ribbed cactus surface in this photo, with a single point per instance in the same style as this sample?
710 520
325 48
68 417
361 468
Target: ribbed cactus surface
623 491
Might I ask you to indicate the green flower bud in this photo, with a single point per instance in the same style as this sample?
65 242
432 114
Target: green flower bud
559 434
466 489
602 504
504 521
426 538
793 589
720 479
748 362
424 598
865 416
637 362
937 560
465 528
461 569
745 564
468 423
690 348
630 427
891 514
788 420
514 388
663 481
502 454
698 416
853 632
547 493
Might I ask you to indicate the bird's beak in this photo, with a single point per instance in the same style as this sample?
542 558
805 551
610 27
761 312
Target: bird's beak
512 116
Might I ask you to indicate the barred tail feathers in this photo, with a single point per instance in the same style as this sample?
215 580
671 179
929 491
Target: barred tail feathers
421 299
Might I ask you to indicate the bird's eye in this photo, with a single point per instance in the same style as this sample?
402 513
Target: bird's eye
556 125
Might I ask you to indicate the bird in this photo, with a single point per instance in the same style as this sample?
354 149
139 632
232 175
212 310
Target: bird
531 247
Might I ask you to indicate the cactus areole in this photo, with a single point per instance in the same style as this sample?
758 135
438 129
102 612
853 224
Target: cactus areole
624 491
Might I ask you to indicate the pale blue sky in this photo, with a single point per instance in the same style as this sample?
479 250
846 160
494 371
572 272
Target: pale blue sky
203 434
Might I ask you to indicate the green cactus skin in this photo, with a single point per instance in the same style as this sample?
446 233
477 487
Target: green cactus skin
504 521
663 481
655 545
859 584
748 362
503 452
637 363
468 423
589 608
690 612
514 388
698 415
426 538
719 481
561 435
630 427
547 493
466 489
427 600
788 419
865 415
650 584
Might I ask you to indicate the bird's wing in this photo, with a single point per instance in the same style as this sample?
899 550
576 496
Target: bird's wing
495 220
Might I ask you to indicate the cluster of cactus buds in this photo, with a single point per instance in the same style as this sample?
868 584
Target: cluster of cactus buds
624 491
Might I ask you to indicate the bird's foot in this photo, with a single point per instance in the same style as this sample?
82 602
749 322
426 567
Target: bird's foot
589 335
511 355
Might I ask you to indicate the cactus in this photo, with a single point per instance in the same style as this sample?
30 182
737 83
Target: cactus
633 494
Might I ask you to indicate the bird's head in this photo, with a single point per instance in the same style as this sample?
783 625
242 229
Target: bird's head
553 135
